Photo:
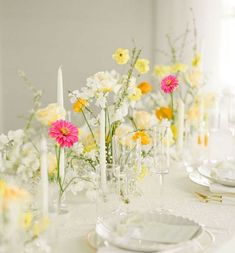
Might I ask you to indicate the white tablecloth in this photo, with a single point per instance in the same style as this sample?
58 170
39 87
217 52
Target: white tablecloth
217 218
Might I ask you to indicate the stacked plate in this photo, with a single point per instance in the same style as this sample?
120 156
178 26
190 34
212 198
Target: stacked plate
151 232
220 173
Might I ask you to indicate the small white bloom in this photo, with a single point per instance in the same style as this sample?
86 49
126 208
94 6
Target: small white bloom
16 136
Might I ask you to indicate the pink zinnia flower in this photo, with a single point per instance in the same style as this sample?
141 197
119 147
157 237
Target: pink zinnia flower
64 132
169 84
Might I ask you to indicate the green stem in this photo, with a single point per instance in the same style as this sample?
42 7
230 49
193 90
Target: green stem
84 116
58 152
172 107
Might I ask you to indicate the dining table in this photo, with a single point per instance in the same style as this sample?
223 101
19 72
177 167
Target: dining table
72 228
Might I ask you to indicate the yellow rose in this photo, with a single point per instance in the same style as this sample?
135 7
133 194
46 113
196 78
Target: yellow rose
142 66
196 60
145 87
193 112
178 67
136 95
194 78
50 114
79 105
121 56
142 119
161 70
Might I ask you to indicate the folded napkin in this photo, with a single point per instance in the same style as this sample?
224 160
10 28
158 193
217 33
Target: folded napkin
224 170
164 233
219 188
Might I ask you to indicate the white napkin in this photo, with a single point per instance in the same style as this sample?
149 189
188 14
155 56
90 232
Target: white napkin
224 170
164 233
219 188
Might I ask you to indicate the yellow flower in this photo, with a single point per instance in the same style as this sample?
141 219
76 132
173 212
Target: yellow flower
136 95
40 226
27 220
79 105
89 142
145 87
164 113
121 56
145 138
52 165
193 112
196 60
209 100
50 114
161 70
144 171
142 66
174 131
3 186
178 67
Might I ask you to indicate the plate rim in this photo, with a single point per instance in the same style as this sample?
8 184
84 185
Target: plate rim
167 246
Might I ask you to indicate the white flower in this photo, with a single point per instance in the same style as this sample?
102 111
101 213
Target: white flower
101 100
3 141
16 135
123 132
121 112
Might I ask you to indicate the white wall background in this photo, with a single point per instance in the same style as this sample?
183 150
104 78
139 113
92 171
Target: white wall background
38 36
81 35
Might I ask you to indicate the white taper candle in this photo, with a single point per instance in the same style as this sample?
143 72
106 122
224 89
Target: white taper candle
44 175
180 124
60 101
102 150
60 89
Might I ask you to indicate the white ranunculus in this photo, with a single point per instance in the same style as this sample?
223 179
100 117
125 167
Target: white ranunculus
124 134
142 119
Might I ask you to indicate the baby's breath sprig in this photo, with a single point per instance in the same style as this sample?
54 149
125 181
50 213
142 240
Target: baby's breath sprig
37 94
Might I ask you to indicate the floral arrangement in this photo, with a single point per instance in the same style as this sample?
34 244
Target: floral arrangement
117 94
16 219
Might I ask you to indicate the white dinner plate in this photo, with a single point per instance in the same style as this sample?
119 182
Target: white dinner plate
200 244
206 171
197 178
109 230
